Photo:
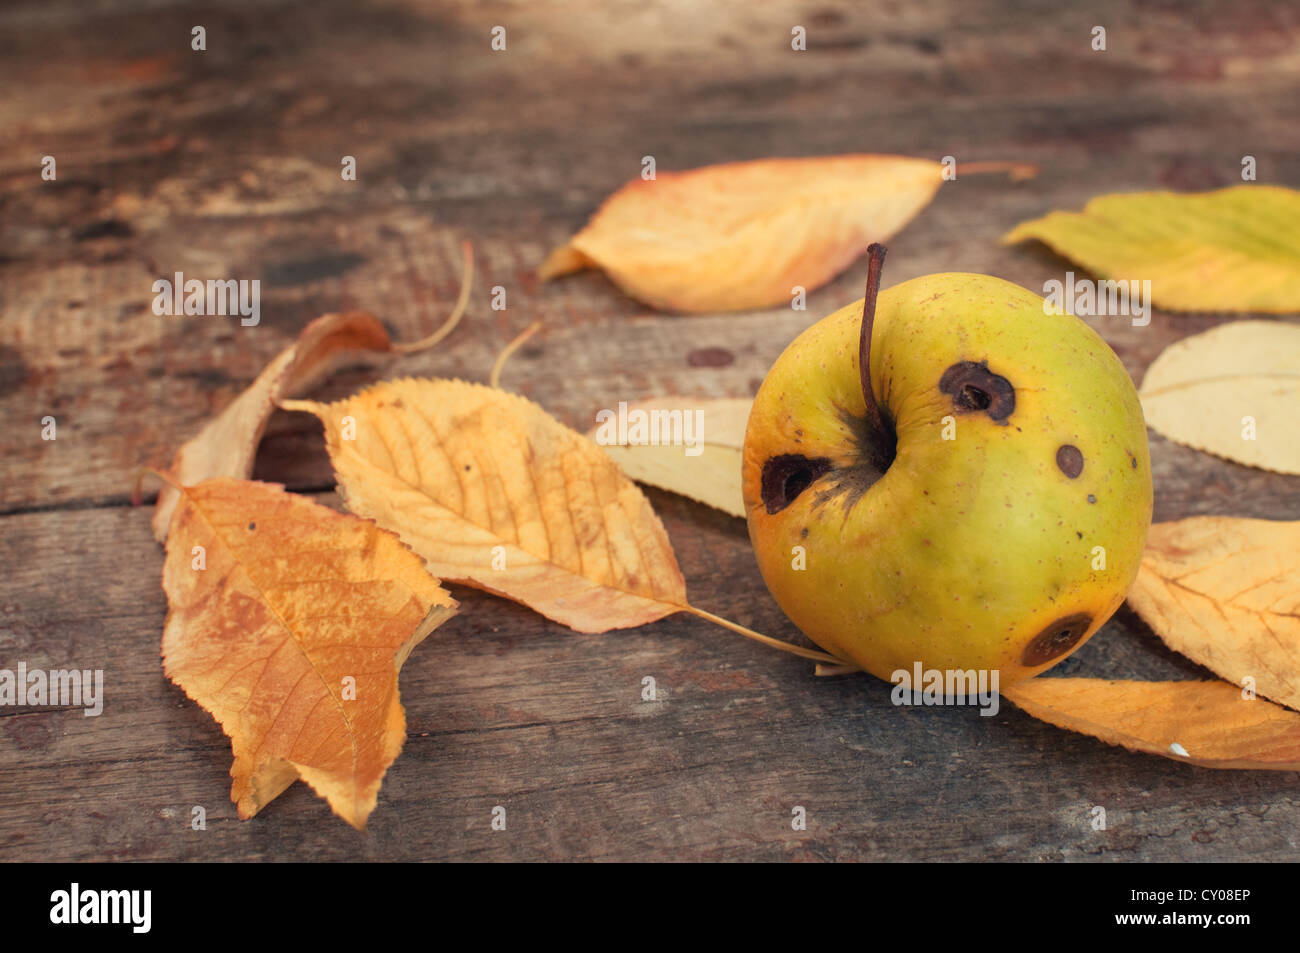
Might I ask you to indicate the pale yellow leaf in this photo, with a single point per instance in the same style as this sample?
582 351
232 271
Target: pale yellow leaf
1233 391
708 470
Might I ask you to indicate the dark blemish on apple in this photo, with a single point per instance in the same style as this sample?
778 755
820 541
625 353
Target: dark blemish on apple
976 389
786 476
803 533
1057 639
467 468
710 357
1069 459
1091 498
1077 533
252 526
1133 460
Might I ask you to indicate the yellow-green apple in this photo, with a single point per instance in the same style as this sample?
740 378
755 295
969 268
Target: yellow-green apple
951 475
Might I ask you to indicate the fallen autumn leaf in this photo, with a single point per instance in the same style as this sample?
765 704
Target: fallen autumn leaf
1232 391
1235 249
1209 721
289 623
1225 592
227 444
743 234
494 492
711 476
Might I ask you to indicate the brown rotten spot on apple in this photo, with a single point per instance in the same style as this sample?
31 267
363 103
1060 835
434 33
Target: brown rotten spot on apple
974 389
1056 639
786 476
1069 459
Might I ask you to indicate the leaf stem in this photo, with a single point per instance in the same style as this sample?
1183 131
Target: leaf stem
466 280
1016 171
825 671
494 379
767 640
141 473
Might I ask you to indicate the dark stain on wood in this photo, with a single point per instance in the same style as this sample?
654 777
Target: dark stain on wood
710 357
304 271
13 370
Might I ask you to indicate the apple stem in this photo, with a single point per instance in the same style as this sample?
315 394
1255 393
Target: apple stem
886 442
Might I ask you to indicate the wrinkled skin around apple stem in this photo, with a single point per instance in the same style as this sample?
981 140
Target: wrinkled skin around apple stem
883 442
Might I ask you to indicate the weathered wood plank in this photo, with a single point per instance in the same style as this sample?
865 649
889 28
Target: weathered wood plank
458 145
225 164
506 708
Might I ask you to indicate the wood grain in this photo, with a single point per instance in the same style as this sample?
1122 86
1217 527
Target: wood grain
225 163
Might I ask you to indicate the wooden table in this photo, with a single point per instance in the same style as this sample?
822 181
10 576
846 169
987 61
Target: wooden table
226 163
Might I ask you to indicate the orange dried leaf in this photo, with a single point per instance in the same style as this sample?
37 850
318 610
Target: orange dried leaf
745 234
1226 593
1208 724
494 492
289 626
227 444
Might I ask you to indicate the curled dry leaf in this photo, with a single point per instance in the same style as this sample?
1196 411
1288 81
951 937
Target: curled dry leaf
1210 721
494 492
1235 249
745 234
687 446
1232 391
1226 593
290 625
228 442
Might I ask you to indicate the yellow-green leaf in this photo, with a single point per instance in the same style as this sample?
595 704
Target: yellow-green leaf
1236 249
